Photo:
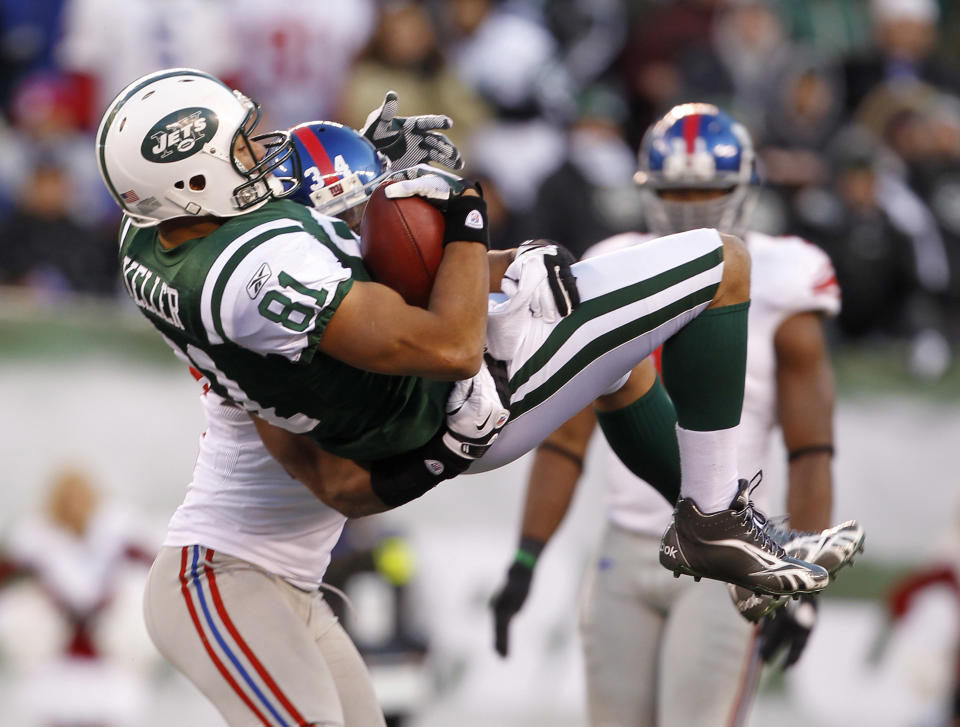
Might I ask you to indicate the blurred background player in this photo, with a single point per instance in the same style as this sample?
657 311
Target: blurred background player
660 651
235 598
69 581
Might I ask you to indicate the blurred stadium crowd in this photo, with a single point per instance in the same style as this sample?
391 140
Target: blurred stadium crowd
854 105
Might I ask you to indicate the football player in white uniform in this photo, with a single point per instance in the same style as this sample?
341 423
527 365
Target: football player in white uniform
665 652
272 303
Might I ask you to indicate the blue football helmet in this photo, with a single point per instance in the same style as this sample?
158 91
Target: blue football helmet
697 146
340 168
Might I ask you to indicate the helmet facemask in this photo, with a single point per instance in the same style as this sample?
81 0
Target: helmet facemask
261 182
697 147
729 212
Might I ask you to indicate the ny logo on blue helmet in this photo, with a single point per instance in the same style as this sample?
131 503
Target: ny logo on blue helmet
340 168
696 146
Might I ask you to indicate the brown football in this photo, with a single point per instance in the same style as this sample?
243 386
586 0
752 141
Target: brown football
401 241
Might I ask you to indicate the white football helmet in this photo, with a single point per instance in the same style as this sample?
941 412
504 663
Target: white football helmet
166 148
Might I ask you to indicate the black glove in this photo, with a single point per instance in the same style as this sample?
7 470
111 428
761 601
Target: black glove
410 140
465 217
788 628
562 284
508 601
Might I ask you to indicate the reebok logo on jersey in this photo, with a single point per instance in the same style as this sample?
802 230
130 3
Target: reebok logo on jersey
258 280
435 467
179 135
474 220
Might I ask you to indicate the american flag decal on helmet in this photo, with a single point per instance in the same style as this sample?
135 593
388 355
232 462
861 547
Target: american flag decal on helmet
129 197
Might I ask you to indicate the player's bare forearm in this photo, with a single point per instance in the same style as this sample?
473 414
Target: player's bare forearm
499 261
374 329
459 295
556 470
339 483
805 399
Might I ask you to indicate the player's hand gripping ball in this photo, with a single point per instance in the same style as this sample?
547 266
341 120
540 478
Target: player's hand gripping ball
401 241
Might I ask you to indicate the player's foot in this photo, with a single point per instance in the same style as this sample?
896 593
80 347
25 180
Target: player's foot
732 545
832 549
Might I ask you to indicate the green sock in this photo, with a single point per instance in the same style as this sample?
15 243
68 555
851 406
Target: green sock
704 365
643 435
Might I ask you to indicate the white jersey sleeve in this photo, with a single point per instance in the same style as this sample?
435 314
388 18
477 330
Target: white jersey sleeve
792 276
278 297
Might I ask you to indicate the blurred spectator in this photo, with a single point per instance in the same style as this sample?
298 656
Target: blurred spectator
44 249
46 116
297 55
889 258
591 34
504 51
70 584
506 54
831 28
668 59
752 46
916 597
53 226
798 122
108 42
404 55
29 32
592 195
906 35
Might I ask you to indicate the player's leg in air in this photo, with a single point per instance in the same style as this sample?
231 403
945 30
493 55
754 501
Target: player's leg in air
689 293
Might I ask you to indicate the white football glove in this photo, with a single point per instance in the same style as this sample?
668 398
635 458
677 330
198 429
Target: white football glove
476 412
431 187
540 273
409 140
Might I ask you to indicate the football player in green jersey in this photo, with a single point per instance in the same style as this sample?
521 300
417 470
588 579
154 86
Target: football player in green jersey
271 302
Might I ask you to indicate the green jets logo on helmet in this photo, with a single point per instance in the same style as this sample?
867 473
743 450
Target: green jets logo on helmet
179 135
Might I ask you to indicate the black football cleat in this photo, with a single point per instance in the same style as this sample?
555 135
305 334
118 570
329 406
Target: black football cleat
732 545
832 549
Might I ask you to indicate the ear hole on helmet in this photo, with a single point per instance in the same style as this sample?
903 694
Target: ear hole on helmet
123 123
178 185
198 182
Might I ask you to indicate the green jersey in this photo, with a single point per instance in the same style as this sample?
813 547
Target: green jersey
247 304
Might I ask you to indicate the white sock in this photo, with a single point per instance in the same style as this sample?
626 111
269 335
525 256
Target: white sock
708 467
